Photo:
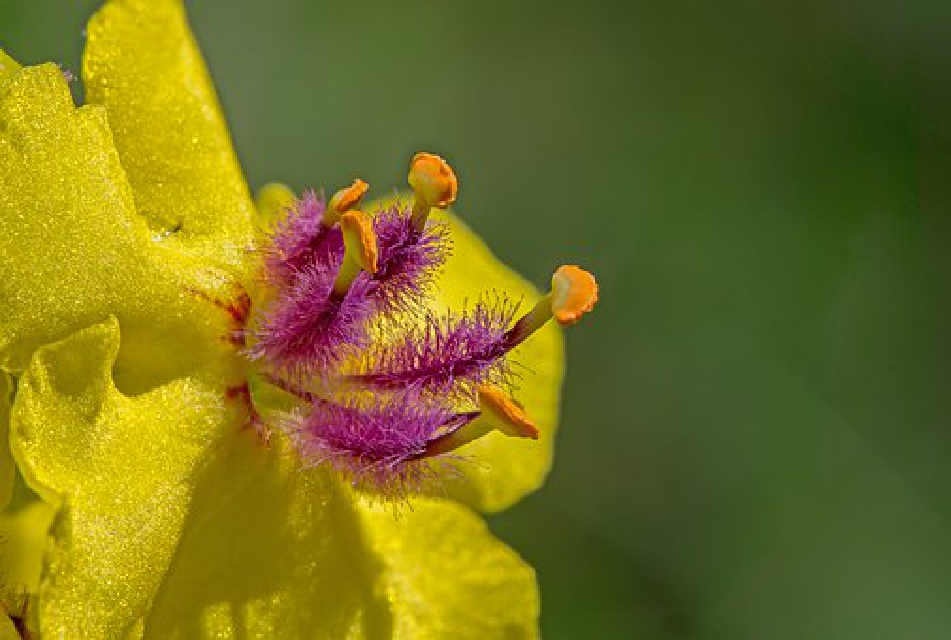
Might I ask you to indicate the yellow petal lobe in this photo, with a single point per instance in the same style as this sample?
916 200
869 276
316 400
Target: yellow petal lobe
272 550
446 576
7 465
271 202
7 630
8 69
24 534
121 470
73 250
142 63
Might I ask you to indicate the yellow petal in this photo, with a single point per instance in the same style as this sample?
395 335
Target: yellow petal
24 535
7 466
8 68
199 531
272 551
448 577
271 201
7 630
121 469
73 250
143 64
500 469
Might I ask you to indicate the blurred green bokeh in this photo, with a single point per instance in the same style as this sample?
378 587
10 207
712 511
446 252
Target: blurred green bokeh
756 427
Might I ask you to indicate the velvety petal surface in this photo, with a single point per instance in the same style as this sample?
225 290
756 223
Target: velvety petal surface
500 470
142 63
7 630
120 469
447 576
8 69
7 465
24 534
73 250
270 202
271 551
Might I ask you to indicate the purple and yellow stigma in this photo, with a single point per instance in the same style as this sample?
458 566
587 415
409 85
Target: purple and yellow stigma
387 388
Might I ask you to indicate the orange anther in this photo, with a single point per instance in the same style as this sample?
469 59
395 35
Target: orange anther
360 238
349 197
574 293
433 180
512 418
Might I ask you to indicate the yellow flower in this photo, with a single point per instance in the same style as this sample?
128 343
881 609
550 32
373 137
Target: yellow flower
124 225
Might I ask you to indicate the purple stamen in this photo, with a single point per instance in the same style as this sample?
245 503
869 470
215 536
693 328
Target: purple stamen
308 329
381 444
383 384
444 352
301 241
409 259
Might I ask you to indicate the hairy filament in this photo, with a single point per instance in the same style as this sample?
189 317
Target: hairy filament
380 444
308 329
409 260
443 352
301 241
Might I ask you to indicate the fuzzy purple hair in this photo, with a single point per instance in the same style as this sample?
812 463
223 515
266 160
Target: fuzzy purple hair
380 445
409 260
446 353
299 241
403 392
307 330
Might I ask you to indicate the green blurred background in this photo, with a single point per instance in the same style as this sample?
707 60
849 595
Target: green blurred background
756 435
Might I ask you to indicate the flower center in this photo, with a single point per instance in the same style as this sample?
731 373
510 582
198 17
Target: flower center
385 386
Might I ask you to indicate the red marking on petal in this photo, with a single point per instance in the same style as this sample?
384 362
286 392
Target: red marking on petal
242 393
238 310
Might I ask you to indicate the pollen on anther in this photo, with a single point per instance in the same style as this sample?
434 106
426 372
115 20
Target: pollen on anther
512 419
574 293
349 197
356 225
432 176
